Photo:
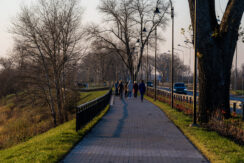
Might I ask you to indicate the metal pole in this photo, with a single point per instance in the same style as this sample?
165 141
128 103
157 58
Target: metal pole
236 70
242 84
172 60
147 66
195 67
155 77
190 67
242 111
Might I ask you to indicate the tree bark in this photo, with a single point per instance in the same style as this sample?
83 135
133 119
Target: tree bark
59 99
214 81
216 46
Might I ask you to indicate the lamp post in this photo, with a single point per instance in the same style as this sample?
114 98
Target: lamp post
195 68
145 30
155 59
172 60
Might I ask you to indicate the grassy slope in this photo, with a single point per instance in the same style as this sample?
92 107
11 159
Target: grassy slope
215 147
88 96
16 128
50 146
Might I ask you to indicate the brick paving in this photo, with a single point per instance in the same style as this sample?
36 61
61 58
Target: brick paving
134 132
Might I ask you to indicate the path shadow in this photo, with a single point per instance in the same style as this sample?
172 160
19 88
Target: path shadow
120 125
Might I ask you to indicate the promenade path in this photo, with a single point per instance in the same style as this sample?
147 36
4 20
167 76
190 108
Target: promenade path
134 132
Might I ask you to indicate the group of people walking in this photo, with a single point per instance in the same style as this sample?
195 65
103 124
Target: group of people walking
127 89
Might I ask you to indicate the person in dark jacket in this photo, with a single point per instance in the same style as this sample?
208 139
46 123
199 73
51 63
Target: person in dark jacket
121 88
142 89
116 88
126 89
135 89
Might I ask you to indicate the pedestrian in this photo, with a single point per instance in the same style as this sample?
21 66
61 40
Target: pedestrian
135 89
130 89
116 88
126 89
121 88
142 89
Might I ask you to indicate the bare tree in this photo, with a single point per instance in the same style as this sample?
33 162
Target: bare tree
126 23
216 46
48 34
101 64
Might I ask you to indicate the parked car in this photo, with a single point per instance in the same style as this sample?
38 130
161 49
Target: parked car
180 88
149 84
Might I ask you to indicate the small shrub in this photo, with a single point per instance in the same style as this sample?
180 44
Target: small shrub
231 128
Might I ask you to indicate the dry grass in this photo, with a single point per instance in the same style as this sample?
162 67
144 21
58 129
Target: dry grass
21 119
50 146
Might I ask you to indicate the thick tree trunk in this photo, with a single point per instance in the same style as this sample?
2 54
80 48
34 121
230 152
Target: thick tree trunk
215 46
214 81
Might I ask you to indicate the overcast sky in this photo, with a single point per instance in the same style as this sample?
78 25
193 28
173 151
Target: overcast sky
9 9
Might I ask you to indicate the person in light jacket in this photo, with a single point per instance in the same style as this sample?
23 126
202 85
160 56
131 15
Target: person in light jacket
130 89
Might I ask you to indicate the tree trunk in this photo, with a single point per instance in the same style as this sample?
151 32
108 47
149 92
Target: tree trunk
58 96
214 81
53 113
216 44
64 94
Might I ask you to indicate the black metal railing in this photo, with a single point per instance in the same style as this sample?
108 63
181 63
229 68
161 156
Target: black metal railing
86 112
236 106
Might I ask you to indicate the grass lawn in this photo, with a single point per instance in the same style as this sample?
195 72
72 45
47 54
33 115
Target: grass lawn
215 147
88 96
51 146
237 92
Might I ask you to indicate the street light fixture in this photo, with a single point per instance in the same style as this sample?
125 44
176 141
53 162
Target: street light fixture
144 31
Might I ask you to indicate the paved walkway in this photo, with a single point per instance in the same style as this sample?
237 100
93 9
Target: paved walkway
134 132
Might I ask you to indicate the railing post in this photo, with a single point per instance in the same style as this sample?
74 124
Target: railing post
243 111
234 107
77 120
88 111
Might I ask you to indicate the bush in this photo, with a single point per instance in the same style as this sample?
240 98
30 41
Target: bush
71 101
231 128
180 106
